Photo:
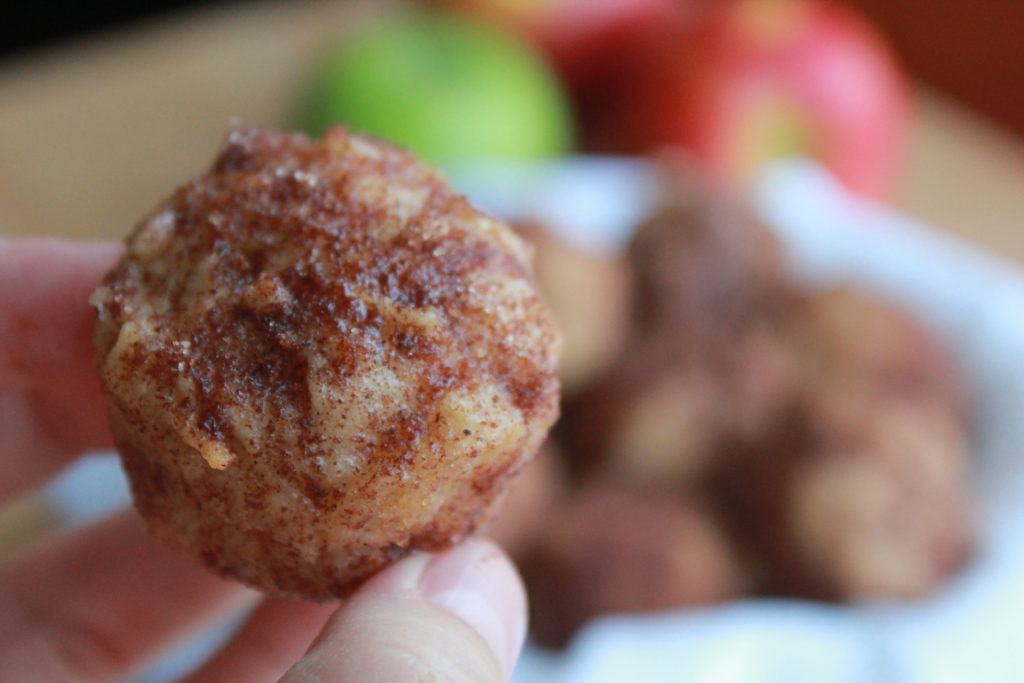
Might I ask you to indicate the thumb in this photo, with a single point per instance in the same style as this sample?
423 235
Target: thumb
457 616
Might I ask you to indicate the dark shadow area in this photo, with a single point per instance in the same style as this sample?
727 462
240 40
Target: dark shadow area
29 24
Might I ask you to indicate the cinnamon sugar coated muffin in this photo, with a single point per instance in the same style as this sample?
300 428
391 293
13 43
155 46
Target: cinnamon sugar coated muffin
318 358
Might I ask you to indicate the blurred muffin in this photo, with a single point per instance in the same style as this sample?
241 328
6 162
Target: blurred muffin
864 490
652 419
589 295
617 549
712 297
709 353
828 432
890 516
856 340
529 503
705 267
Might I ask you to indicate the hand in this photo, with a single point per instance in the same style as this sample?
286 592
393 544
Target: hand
99 603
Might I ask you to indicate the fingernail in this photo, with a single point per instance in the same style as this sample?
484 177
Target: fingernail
478 584
400 578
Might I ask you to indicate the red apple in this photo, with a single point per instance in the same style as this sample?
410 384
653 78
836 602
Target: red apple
760 79
579 36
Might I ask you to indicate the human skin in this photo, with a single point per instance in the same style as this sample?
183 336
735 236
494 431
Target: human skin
100 603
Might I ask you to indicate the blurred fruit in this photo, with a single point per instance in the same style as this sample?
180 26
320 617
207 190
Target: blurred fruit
578 36
762 79
446 88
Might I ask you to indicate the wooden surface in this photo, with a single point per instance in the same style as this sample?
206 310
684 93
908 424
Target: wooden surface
93 134
973 49
966 177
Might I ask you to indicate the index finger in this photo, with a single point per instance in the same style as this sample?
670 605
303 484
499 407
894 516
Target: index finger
51 405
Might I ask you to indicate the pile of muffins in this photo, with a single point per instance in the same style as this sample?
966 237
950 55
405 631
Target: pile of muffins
728 433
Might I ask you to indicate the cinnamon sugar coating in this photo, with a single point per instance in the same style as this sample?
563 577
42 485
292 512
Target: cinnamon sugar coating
319 358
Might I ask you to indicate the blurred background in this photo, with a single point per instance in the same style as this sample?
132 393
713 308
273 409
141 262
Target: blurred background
945 44
866 410
90 93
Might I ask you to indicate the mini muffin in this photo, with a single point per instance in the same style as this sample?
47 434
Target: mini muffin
713 299
705 268
882 502
615 549
319 358
710 353
889 515
859 341
530 501
864 490
652 419
589 294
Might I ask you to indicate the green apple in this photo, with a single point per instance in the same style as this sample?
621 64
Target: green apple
446 88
